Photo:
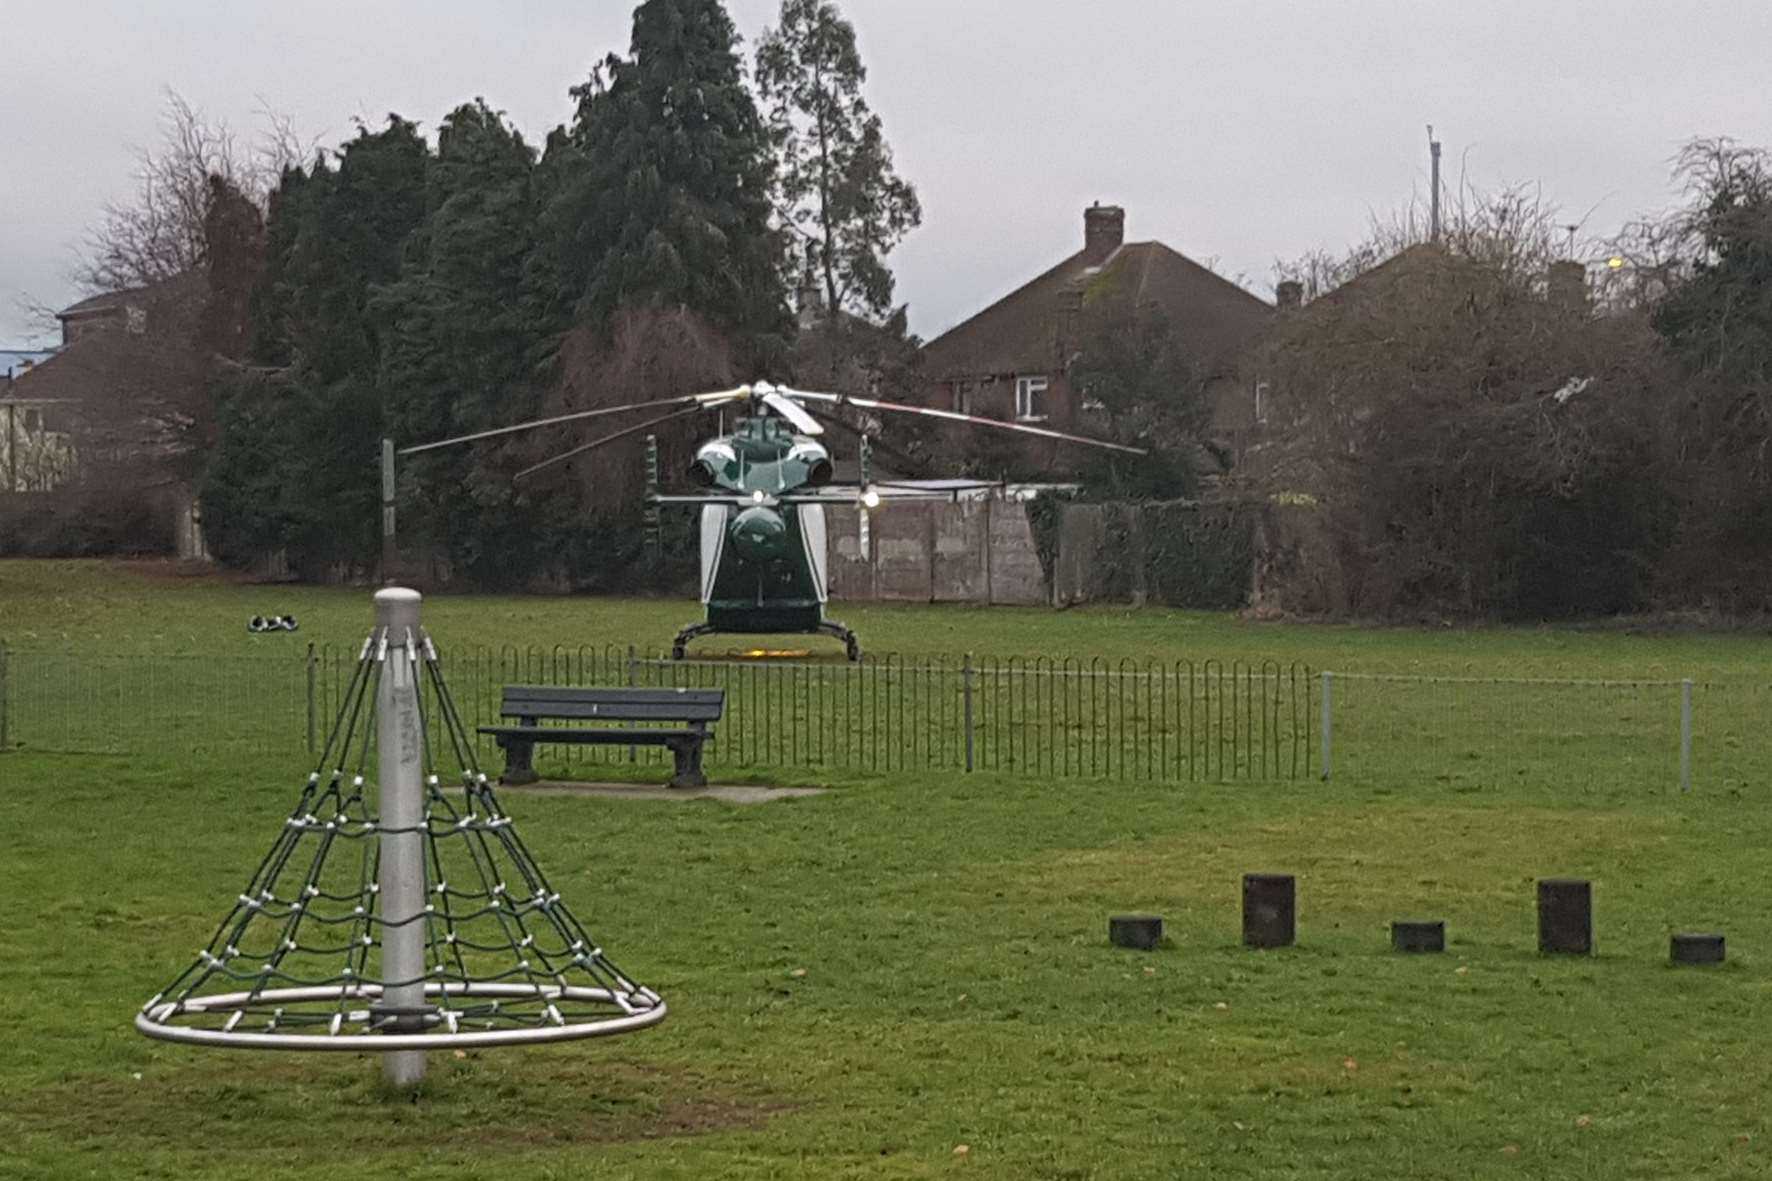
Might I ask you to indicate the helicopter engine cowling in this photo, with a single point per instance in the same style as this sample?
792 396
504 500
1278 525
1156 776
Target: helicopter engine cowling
759 534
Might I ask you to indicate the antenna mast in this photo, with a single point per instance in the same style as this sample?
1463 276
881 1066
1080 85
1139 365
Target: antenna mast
1433 146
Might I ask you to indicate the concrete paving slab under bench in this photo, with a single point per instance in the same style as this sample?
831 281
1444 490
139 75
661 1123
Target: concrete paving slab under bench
729 793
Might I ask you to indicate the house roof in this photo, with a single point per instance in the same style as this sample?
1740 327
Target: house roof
1020 333
14 362
104 301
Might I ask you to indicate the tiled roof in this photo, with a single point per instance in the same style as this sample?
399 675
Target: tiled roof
1020 333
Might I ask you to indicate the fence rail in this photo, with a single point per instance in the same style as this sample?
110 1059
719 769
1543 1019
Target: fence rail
1057 718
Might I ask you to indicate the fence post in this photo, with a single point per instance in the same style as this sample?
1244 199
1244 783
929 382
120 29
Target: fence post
311 672
966 705
1327 728
633 661
5 703
1686 734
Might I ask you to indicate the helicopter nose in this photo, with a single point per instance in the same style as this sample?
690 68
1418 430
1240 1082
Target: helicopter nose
759 534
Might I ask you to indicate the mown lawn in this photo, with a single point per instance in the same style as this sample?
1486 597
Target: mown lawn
957 989
163 608
909 976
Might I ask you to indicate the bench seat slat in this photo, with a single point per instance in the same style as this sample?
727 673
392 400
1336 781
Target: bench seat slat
563 694
654 736
612 712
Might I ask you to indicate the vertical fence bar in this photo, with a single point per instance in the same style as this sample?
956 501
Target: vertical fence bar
313 721
1685 735
966 705
1326 729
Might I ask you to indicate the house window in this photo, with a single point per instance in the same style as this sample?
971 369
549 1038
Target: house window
1261 401
962 397
1030 399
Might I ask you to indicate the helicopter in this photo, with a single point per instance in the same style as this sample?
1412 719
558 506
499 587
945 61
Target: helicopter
763 489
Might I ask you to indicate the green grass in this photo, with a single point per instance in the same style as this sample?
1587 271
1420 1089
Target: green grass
958 988
156 608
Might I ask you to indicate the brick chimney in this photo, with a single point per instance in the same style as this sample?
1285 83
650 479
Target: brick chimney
1104 230
1289 296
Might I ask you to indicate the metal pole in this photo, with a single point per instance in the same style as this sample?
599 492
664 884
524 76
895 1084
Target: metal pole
1686 735
402 810
1434 147
966 698
1327 728
312 720
389 549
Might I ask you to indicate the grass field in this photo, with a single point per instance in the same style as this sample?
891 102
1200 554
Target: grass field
865 983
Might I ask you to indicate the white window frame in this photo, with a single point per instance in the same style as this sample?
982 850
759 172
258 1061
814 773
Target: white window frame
962 397
1029 392
1261 401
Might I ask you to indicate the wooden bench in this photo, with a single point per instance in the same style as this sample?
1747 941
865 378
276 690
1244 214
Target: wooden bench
532 705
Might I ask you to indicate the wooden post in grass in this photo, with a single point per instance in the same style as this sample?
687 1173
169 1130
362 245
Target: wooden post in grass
1417 938
1694 948
1565 916
1142 932
1270 909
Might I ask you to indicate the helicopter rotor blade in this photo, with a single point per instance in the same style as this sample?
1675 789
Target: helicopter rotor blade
596 443
779 401
956 416
692 401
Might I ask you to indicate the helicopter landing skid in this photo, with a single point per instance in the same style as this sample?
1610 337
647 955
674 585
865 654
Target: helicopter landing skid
828 627
851 644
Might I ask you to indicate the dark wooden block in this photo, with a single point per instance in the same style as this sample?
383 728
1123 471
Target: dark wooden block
1418 937
1565 916
1694 948
1270 909
1141 931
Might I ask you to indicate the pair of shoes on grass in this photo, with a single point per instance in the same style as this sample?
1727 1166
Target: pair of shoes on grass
271 623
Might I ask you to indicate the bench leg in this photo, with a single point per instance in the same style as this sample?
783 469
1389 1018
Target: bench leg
688 771
519 765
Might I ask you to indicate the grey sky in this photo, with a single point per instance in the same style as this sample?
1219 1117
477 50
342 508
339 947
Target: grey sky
1237 133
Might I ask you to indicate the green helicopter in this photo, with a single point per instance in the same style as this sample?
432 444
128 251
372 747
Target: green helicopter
763 489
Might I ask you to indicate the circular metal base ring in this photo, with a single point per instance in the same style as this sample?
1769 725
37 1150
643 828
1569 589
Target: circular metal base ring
156 1019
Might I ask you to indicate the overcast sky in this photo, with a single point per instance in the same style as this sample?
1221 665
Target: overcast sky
1237 133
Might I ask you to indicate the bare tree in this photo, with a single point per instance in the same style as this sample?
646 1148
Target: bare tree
158 232
1458 432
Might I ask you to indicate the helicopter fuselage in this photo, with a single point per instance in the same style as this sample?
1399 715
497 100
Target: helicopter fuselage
763 562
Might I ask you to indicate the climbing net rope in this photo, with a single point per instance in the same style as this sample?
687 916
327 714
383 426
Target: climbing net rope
300 960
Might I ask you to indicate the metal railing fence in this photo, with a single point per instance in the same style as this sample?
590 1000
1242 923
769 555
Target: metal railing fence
1049 718
1055 718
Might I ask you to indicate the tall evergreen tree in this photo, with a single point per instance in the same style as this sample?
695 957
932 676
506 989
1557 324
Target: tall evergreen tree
296 463
839 191
460 339
665 204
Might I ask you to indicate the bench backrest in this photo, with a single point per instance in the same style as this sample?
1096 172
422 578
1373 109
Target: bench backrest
613 705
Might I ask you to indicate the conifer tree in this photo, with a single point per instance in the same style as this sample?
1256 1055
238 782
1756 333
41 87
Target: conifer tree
840 195
666 202
460 339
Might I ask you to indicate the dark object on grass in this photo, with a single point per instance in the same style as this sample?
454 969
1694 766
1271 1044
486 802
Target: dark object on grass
1565 916
1695 948
1141 931
1418 937
1270 910
271 623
